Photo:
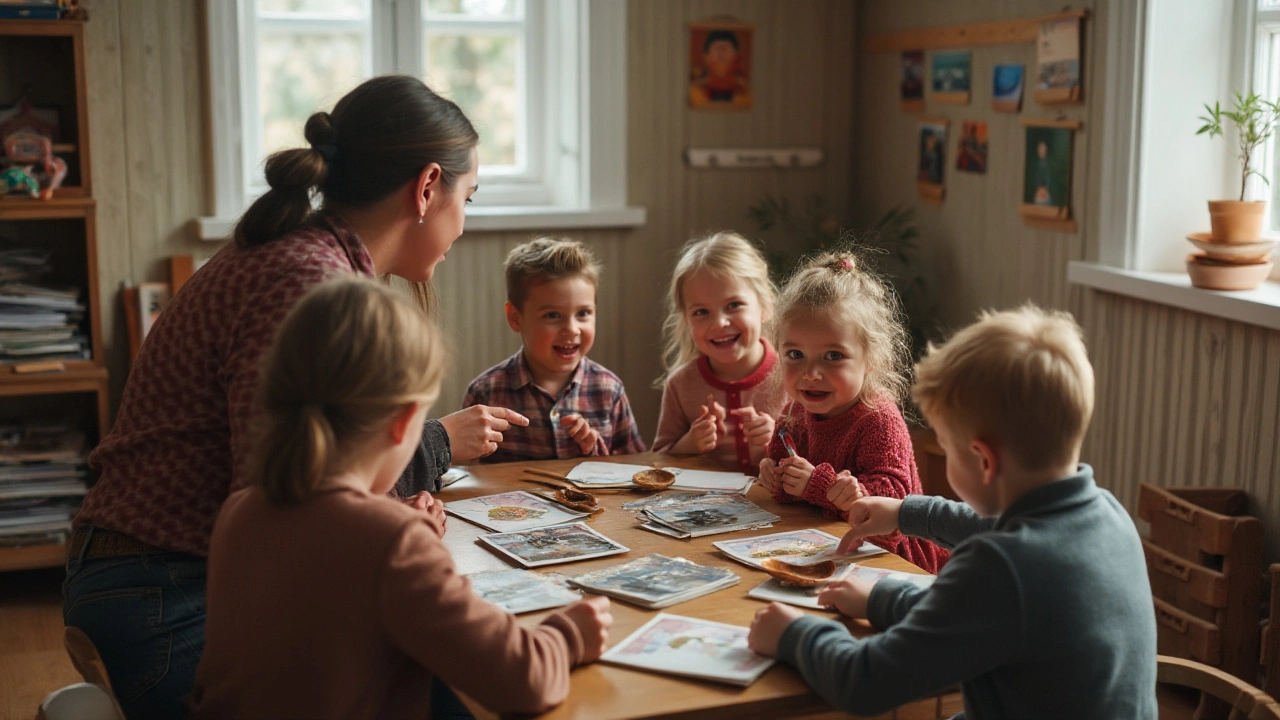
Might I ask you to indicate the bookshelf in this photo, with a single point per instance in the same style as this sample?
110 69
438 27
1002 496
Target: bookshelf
44 61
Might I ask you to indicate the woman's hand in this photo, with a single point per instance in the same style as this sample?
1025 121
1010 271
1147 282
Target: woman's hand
477 430
767 628
593 619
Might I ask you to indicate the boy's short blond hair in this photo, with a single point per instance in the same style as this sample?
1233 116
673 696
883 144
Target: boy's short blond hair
545 259
1018 378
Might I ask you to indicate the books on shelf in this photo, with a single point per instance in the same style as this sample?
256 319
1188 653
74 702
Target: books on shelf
37 321
521 591
706 515
656 581
592 472
511 512
795 546
553 545
693 648
42 482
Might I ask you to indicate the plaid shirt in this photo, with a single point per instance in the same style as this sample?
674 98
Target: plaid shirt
593 392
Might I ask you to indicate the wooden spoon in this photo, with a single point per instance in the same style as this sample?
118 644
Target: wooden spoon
811 575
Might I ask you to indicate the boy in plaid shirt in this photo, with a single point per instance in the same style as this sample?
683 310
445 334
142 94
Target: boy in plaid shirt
575 406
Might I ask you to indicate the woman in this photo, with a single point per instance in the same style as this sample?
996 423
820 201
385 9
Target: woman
395 165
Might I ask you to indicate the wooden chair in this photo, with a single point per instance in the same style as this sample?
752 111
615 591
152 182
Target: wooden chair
1246 701
87 662
1204 562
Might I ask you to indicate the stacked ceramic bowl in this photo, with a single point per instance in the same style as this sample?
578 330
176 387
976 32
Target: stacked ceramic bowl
1236 255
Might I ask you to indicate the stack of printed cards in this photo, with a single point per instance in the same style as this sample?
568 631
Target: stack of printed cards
511 512
706 515
801 547
656 581
691 647
521 591
591 472
772 590
552 545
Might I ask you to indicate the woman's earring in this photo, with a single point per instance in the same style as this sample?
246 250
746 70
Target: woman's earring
420 219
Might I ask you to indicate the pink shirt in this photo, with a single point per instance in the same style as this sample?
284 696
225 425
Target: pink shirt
686 392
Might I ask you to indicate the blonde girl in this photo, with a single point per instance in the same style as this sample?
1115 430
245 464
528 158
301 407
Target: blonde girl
718 394
326 597
844 352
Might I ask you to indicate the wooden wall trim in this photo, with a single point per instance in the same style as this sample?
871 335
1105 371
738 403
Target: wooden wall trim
1003 32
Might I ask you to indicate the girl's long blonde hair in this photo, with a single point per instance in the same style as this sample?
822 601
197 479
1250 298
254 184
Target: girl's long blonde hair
722 254
838 286
349 356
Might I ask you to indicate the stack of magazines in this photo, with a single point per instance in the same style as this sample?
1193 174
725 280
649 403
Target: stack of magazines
42 482
656 581
706 515
38 321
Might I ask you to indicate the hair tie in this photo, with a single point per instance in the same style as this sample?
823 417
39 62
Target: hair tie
327 150
846 263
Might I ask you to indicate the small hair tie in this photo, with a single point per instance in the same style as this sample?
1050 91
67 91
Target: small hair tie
327 151
846 263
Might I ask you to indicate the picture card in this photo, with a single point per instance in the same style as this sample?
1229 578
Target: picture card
773 591
521 591
1046 186
911 87
591 472
1058 62
933 159
693 648
1006 90
971 155
720 65
511 511
951 77
656 581
802 547
709 515
553 545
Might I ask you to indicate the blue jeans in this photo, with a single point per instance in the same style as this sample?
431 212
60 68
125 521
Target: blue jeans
145 614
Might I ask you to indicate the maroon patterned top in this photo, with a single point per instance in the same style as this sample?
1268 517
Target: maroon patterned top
179 442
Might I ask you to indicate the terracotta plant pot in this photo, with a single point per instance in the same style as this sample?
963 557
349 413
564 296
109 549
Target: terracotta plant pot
1236 222
1213 274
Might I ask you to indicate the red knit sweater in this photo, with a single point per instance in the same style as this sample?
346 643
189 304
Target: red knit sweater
875 446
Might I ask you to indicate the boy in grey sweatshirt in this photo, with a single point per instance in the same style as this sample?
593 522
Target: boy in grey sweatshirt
1044 610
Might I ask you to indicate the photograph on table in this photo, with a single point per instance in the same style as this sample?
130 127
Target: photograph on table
1046 184
656 581
798 547
521 591
911 87
720 65
692 647
552 545
933 160
1006 88
952 77
971 153
511 511
1058 62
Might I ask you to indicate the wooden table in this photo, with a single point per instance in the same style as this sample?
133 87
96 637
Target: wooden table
602 692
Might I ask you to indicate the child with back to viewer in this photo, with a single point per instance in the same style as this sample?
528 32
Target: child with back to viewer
575 405
844 352
719 393
1044 610
328 599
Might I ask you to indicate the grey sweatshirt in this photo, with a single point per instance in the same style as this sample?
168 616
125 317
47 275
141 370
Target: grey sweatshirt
1044 612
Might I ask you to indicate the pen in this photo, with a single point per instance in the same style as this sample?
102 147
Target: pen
786 442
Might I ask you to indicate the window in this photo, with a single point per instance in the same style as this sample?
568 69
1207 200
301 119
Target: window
542 81
1266 81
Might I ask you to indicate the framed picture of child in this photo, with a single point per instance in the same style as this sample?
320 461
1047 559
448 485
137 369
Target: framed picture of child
720 65
971 155
912 85
952 77
1058 61
933 147
1046 185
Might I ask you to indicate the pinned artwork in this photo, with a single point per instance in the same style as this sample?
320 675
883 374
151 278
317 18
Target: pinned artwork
933 161
1058 62
912 85
971 155
720 65
951 77
1046 186
1006 88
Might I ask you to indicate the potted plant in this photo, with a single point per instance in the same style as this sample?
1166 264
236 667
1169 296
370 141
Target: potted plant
1240 221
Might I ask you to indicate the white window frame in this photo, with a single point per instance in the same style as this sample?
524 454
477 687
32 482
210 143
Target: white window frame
578 157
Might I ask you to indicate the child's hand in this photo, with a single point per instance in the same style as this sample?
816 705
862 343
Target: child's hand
844 490
848 596
868 517
767 628
756 427
768 478
717 412
795 473
703 432
477 430
581 432
593 619
433 508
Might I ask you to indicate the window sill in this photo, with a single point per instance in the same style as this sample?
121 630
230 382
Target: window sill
1255 307
490 219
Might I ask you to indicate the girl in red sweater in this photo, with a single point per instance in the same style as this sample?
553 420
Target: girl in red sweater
843 349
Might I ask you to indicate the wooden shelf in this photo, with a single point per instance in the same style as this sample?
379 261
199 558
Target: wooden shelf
30 558
78 373
16 207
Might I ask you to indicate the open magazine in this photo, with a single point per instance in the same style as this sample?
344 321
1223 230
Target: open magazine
588 473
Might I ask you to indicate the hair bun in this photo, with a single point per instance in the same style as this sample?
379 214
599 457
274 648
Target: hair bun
322 136
841 263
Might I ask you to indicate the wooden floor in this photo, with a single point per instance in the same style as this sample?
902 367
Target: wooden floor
32 661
